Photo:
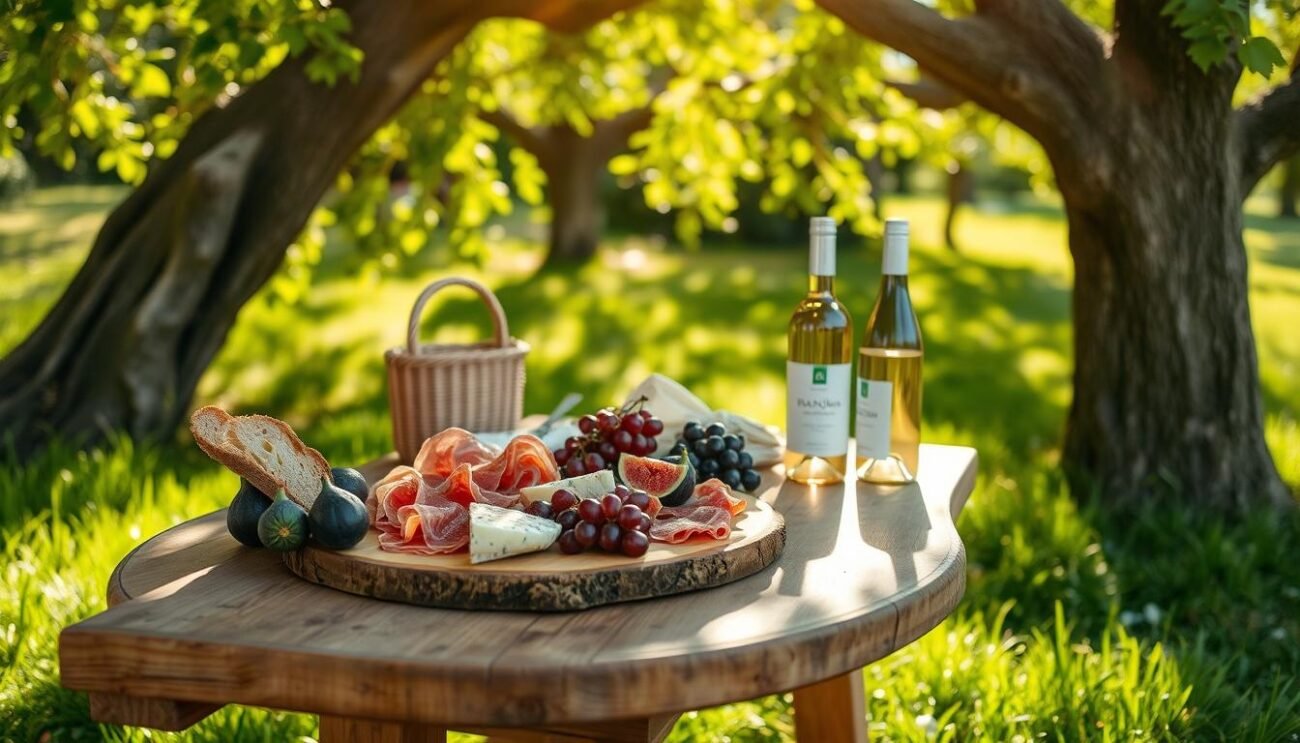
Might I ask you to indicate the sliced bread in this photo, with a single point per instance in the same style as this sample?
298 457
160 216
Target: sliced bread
262 450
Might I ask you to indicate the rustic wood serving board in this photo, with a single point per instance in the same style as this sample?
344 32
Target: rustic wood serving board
548 581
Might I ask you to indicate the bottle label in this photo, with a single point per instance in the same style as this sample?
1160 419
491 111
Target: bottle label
817 408
875 400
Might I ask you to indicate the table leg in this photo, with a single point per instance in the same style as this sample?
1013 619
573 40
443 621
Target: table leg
345 730
833 711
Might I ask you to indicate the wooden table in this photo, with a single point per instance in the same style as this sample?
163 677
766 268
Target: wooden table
198 622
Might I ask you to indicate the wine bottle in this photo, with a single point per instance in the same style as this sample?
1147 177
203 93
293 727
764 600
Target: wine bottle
819 376
888 391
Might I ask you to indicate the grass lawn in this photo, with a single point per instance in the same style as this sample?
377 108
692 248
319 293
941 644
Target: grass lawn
1076 624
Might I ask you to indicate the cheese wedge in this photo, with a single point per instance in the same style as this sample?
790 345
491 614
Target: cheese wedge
496 532
592 485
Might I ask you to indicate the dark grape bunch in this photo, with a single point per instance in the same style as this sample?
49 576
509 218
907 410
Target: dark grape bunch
607 434
716 453
615 522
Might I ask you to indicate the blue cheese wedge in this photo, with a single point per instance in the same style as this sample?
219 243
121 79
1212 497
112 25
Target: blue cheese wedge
496 532
593 485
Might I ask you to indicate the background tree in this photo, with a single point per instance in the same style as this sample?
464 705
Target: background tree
124 346
1288 192
1153 163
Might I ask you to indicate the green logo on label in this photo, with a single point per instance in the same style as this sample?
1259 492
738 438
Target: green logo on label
819 375
863 388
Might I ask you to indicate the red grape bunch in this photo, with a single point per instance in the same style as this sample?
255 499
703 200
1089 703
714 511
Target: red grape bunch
615 522
607 434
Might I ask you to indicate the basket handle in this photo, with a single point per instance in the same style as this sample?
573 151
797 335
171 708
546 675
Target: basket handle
500 331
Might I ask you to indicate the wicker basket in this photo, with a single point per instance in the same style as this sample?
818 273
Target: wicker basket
478 387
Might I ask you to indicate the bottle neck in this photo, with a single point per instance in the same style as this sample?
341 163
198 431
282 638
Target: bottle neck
821 284
893 282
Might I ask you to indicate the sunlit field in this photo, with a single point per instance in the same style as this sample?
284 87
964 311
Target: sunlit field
1076 624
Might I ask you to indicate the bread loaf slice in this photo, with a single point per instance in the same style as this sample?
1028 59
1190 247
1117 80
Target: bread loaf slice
262 450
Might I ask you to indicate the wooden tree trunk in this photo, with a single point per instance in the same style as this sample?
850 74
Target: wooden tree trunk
574 166
125 345
1166 382
961 189
1289 193
1153 163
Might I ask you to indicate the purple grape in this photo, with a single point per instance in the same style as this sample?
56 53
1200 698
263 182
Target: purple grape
610 505
640 499
611 537
590 511
586 533
568 519
569 543
633 543
539 508
629 517
563 500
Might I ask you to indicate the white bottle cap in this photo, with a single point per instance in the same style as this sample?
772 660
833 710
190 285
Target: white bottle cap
821 246
896 231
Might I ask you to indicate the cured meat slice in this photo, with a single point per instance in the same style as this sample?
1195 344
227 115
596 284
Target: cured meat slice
677 524
708 513
445 451
400 487
717 493
463 487
525 462
437 526
425 509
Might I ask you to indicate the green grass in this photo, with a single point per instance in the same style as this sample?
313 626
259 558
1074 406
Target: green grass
1077 624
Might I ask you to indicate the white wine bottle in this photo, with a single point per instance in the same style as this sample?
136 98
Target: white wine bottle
888 428
819 371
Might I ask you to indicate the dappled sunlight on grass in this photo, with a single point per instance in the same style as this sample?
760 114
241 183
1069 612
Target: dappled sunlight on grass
1157 605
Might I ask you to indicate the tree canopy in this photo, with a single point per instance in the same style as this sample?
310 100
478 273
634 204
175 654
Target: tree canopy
774 93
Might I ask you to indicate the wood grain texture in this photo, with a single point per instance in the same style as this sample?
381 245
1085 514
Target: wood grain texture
343 730
550 580
159 714
644 730
865 569
832 711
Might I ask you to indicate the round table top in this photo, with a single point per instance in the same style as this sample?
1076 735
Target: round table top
866 570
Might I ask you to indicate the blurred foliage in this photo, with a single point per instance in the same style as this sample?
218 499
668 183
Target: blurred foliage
130 77
772 99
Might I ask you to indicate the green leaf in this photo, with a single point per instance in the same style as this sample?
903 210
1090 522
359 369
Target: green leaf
151 82
1260 55
624 165
1207 52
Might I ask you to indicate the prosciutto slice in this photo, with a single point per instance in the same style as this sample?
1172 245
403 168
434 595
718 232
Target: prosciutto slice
525 462
400 487
434 527
443 452
425 509
707 514
462 487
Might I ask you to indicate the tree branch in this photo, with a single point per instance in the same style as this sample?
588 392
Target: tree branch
1033 62
929 93
612 134
570 16
530 138
1268 129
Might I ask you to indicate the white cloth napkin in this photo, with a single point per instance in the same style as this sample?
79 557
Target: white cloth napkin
554 439
675 406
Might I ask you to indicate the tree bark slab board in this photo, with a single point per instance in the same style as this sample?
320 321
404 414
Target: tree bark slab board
865 571
550 580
